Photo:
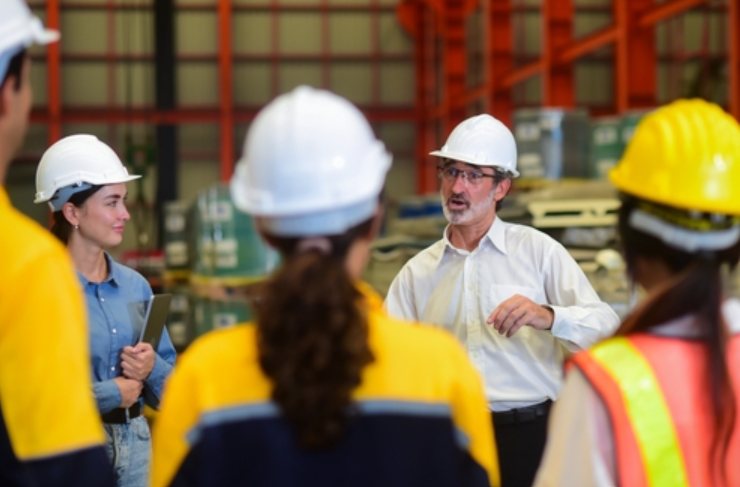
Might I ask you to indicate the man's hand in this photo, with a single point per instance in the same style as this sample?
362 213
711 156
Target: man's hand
518 311
130 391
137 362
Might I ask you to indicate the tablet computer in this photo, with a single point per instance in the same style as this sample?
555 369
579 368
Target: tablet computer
155 319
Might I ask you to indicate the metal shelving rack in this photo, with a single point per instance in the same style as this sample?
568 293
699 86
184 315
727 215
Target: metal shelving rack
442 58
226 113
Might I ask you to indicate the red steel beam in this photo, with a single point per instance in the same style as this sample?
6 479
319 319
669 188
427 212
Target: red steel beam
226 86
635 56
425 97
54 75
666 10
520 74
587 44
734 57
194 115
558 80
454 62
501 44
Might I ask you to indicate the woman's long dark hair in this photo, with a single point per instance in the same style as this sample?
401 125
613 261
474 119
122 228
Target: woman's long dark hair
695 290
61 228
313 337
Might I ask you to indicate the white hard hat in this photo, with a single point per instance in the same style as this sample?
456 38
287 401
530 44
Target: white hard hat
311 165
481 140
73 164
19 28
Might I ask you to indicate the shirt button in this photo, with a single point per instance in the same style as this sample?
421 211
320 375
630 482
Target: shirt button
102 300
114 330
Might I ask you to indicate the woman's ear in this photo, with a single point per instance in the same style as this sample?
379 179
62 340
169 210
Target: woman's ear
70 213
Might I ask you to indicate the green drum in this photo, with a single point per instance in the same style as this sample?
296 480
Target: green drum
606 145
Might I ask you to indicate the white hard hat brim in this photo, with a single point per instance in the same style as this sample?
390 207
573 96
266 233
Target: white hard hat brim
42 36
33 32
43 197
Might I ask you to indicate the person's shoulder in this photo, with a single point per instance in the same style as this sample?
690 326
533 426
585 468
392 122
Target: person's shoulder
26 243
518 230
223 366
235 343
414 338
530 239
426 258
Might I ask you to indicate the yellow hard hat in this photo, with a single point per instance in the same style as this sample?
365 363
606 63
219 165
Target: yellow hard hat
685 155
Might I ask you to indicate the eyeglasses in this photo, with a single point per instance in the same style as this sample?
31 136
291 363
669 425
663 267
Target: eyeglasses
450 174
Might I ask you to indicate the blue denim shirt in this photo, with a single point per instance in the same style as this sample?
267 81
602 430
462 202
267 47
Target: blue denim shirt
116 309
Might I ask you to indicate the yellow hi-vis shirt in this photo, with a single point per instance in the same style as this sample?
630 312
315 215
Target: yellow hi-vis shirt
50 431
420 417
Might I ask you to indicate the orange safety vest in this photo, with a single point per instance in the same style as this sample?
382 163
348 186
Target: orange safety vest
655 390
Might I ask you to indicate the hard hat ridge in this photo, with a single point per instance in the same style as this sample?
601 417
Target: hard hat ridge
311 165
482 140
686 155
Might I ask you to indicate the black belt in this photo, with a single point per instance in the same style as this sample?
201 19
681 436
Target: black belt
119 416
522 415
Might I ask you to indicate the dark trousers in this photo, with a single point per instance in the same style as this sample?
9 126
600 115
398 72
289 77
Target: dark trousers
520 446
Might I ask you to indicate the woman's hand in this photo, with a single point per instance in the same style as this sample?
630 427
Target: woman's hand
130 390
137 362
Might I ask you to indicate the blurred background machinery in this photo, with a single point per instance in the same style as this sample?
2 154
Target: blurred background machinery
172 86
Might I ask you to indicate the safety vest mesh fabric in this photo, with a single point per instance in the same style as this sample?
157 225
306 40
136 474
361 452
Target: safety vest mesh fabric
646 410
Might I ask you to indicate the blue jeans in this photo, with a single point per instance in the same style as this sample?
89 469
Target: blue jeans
129 448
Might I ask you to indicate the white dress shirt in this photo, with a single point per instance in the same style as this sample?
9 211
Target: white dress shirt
457 290
580 445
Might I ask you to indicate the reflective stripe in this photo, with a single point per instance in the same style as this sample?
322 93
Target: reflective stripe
647 411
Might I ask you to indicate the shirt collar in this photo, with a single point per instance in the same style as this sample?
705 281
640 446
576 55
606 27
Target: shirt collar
496 235
114 273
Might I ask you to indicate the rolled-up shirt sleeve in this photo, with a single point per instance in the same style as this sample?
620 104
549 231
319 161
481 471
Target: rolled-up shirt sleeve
581 318
107 395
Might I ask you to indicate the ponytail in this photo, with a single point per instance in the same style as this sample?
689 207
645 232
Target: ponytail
313 337
696 289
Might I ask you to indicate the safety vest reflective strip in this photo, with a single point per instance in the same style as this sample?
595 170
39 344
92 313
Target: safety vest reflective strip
647 411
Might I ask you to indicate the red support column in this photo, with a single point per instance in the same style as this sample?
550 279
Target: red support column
54 74
420 20
226 87
454 63
734 57
501 44
557 78
635 56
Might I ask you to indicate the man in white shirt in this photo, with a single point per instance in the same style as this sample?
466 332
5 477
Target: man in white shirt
512 295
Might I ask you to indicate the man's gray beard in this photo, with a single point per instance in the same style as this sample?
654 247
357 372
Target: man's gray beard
458 217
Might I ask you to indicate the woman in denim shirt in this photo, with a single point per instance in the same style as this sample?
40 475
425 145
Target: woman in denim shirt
83 181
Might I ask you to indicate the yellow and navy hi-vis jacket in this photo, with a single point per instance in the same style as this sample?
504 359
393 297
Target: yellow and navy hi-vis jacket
422 418
50 431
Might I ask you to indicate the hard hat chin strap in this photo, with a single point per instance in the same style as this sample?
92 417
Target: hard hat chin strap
682 238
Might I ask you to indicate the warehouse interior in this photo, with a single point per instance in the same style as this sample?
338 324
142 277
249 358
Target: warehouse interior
172 86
